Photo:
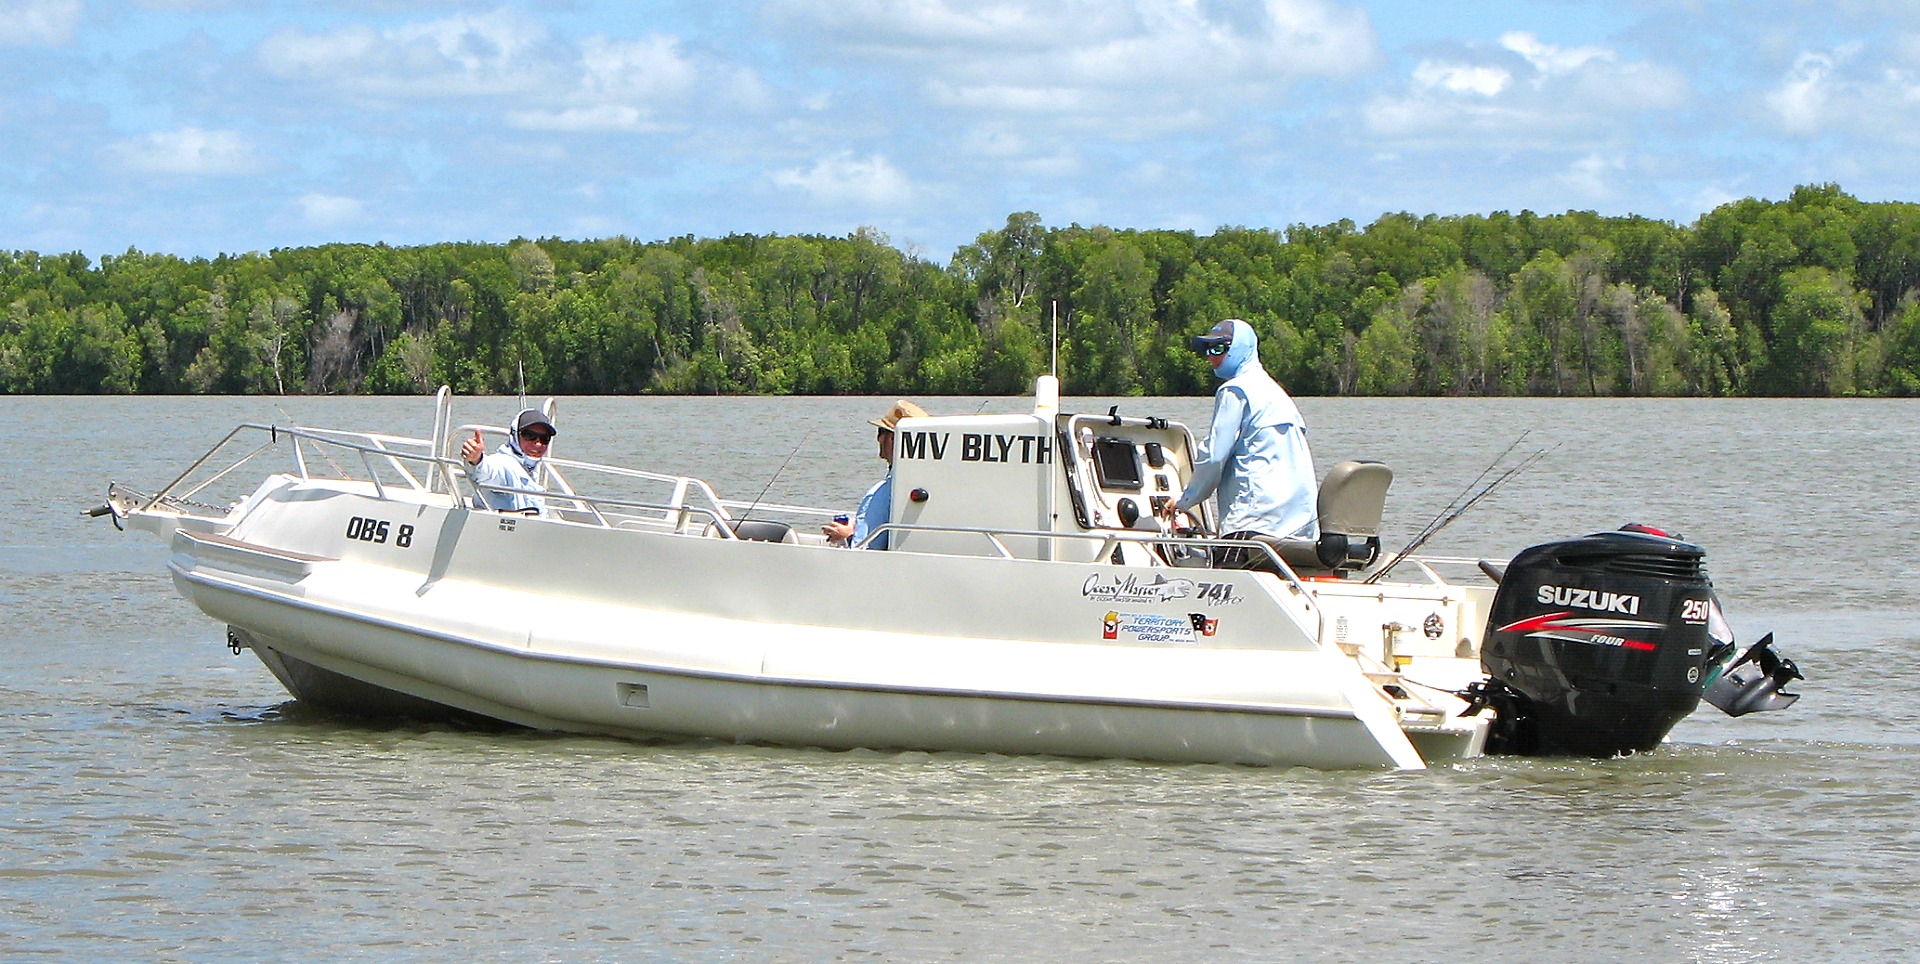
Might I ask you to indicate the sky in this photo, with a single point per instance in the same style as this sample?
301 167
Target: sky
202 127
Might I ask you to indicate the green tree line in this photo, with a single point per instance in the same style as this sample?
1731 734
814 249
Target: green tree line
1814 295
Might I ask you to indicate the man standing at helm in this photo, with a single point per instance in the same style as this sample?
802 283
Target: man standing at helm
513 465
1255 455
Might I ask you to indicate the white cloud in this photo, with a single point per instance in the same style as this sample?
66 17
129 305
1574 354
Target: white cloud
292 52
1844 90
510 66
881 26
1592 176
622 86
844 179
188 151
601 117
1548 59
1461 78
1131 67
1801 98
462 56
646 69
1522 93
1013 152
37 23
329 210
1019 98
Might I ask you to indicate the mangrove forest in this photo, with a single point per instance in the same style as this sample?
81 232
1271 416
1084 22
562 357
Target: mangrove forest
1816 295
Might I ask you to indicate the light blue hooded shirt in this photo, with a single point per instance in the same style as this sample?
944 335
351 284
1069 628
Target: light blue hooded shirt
512 468
1256 453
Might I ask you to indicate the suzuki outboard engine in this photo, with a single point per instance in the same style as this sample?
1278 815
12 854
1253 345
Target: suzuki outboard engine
1596 646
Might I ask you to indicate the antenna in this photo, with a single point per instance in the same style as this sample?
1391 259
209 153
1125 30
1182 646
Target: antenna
1054 369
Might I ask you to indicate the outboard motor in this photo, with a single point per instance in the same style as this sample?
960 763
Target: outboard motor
1596 646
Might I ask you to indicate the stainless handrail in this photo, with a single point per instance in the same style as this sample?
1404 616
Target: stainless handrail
167 490
375 447
1108 540
1115 537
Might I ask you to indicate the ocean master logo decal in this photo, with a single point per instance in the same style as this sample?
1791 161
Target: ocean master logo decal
1133 589
1593 632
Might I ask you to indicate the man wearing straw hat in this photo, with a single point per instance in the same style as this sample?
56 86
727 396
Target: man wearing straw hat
876 507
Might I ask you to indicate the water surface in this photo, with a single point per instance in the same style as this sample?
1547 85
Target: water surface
161 800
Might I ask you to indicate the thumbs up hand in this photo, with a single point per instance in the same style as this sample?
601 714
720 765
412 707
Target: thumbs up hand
473 448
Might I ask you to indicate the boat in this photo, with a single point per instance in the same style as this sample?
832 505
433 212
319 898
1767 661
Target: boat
1031 601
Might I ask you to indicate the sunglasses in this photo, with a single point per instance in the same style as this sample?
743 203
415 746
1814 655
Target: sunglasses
1216 351
541 437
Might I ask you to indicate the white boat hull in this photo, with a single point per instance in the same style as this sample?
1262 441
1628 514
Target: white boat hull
504 621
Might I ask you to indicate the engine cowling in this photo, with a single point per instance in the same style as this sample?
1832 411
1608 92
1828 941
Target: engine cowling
1596 646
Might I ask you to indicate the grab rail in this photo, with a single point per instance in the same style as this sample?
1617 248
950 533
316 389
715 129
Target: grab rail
1111 539
373 448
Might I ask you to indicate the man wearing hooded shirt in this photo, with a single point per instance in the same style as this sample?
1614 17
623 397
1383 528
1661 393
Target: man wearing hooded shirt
513 464
1255 454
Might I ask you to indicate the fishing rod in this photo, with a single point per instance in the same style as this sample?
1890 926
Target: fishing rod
1426 532
1449 513
775 477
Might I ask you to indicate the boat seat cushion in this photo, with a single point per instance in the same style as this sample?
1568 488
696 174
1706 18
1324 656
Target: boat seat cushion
764 530
1333 551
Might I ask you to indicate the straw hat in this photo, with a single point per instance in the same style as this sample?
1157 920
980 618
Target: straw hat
901 409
